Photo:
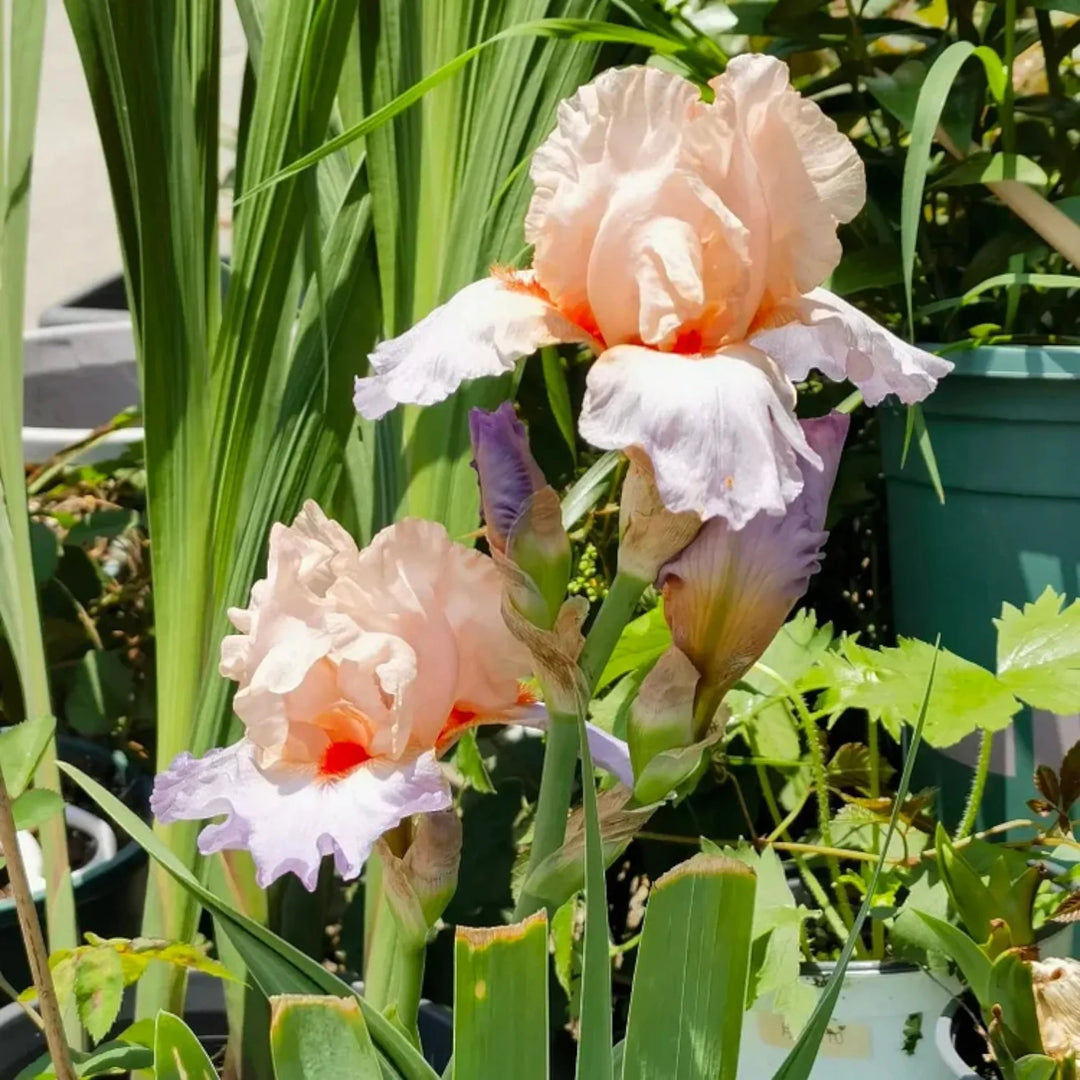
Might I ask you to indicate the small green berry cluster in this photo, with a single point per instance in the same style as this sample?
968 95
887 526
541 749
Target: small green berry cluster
589 582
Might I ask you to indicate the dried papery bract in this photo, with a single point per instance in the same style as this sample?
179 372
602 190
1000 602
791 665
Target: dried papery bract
649 534
1057 1003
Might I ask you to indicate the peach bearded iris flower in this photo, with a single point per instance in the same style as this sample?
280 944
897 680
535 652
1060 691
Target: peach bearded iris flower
684 242
356 669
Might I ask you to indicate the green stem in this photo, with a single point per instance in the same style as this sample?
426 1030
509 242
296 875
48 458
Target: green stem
615 612
877 927
821 789
1008 125
781 823
978 786
553 803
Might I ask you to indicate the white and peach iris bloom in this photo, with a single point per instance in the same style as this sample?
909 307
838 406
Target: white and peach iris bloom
684 242
356 669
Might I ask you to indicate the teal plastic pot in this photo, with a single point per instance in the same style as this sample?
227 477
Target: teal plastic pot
1005 428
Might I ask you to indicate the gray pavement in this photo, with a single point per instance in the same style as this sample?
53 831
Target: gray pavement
72 229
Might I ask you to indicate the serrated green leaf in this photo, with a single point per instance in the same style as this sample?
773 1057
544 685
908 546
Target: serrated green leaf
315 1037
36 806
501 1000
1038 652
21 747
98 986
777 920
966 697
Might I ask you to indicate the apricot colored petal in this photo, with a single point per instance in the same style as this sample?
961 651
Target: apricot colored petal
286 817
720 430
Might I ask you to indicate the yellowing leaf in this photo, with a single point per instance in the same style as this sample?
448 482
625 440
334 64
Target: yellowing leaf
1038 654
98 987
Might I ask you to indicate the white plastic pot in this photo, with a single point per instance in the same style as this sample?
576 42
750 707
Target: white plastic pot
79 820
866 1036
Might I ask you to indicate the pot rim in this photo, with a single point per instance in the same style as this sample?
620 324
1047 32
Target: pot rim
101 830
943 1040
1051 362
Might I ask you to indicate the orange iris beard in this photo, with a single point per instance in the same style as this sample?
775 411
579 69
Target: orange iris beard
340 758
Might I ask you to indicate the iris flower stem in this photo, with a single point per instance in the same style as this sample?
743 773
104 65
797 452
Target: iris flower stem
33 941
553 803
395 970
561 752
978 786
615 612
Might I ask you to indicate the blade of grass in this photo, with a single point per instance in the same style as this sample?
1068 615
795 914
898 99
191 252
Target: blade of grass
21 45
932 96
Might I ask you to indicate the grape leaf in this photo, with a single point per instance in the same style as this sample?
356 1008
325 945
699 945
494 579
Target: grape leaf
1038 652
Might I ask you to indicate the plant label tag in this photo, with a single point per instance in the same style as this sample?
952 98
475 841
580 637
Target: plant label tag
840 1041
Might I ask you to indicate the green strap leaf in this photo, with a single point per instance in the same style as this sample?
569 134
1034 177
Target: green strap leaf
1010 988
932 96
968 957
178 1054
589 488
501 1000
686 1008
315 1037
276 966
571 29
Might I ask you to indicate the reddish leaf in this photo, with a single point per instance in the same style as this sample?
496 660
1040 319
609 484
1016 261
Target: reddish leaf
1046 781
1069 909
1070 777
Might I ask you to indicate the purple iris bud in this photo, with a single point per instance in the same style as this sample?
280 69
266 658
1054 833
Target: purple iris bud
728 593
509 476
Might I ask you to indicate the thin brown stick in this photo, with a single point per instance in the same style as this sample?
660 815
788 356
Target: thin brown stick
33 941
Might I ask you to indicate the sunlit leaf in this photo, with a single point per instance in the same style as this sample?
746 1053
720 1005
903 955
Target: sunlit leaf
1038 652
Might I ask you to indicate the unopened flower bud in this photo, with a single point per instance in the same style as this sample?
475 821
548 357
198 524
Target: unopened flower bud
509 476
728 593
433 860
662 715
522 514
649 534
1057 1004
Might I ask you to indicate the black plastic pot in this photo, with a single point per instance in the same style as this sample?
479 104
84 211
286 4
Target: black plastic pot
21 1043
108 897
104 301
949 1026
